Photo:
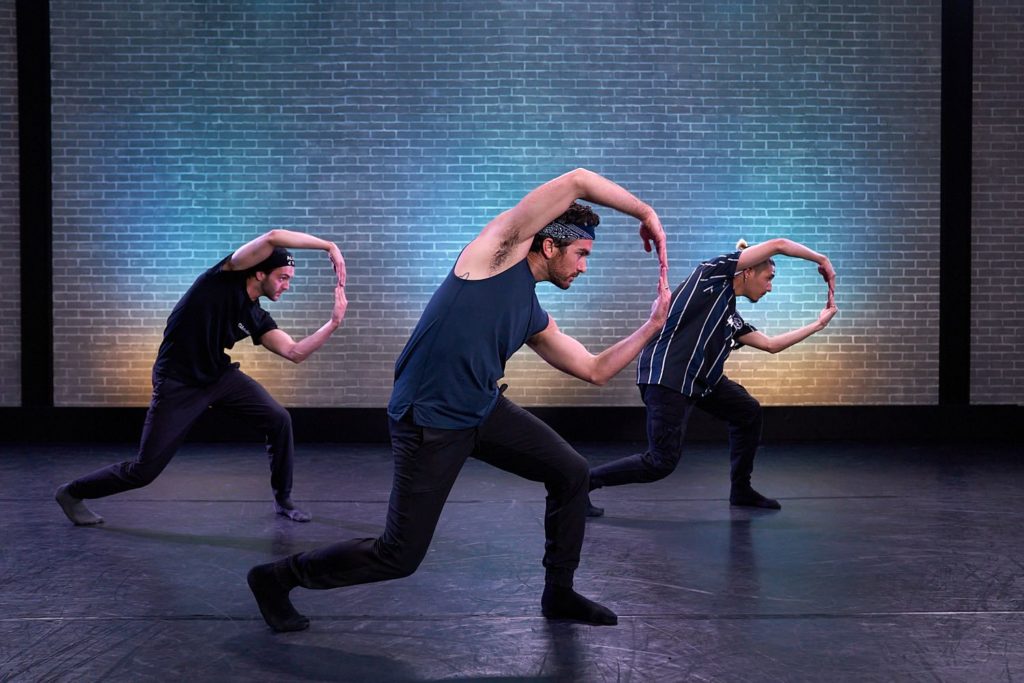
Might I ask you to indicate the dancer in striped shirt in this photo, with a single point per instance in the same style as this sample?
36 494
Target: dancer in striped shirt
682 367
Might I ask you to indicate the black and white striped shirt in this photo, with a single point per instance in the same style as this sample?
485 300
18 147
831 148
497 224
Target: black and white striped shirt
689 353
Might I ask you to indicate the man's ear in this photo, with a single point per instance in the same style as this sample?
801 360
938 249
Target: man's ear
547 247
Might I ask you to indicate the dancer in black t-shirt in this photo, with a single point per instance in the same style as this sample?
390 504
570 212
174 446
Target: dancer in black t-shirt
192 372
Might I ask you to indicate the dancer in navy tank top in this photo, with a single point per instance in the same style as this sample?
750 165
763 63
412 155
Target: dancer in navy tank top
447 406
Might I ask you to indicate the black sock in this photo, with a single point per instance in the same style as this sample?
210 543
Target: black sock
745 496
270 585
560 602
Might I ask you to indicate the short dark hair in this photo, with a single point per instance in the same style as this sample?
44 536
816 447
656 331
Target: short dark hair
580 214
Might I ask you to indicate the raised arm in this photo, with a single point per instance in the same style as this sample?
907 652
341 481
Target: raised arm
281 343
570 356
506 239
251 253
757 253
761 341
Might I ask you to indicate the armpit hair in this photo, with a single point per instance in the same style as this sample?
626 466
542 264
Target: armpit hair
504 249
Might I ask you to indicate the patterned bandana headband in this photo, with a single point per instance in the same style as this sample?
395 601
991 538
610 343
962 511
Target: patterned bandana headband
566 231
279 257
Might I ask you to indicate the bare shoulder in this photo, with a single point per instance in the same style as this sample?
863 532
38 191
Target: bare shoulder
497 248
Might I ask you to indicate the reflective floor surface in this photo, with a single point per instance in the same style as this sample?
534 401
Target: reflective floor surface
886 563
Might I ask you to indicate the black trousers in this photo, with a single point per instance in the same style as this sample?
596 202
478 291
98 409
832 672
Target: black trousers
173 409
668 412
427 462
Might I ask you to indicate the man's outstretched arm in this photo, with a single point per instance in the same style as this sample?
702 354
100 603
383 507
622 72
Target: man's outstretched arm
253 252
570 356
281 343
757 253
507 238
779 342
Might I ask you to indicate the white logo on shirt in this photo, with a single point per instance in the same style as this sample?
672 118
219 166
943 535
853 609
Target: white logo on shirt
734 322
242 328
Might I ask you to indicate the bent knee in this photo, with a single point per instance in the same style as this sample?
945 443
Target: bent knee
280 418
748 412
658 466
138 476
572 473
400 561
659 469
578 470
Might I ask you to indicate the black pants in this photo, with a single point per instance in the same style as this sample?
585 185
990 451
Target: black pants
173 409
427 462
668 412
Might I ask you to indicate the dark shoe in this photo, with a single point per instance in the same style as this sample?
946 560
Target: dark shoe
749 498
271 595
593 510
564 603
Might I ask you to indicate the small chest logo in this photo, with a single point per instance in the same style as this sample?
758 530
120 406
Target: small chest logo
734 322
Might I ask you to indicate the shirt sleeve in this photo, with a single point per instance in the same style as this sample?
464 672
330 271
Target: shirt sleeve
263 324
720 267
219 267
744 328
214 273
538 318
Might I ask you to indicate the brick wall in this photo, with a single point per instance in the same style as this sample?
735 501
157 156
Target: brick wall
183 129
997 250
10 302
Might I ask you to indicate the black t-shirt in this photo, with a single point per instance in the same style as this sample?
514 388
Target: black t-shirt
215 313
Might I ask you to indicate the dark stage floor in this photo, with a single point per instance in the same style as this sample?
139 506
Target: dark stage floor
887 563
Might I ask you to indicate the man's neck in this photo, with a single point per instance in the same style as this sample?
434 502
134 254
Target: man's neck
252 288
538 266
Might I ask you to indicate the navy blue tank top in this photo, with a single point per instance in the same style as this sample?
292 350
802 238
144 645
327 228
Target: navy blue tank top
448 371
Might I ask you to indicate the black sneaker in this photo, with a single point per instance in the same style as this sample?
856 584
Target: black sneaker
749 498
593 510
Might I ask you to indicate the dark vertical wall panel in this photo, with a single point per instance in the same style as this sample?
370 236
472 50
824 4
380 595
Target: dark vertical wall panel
35 203
10 302
997 249
955 292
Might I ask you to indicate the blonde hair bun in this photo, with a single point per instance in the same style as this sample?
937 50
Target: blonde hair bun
742 244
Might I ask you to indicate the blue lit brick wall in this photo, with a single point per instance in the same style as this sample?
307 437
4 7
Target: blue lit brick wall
10 302
182 129
997 296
